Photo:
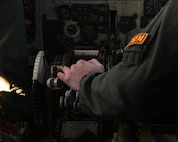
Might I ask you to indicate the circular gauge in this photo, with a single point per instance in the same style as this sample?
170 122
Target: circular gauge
89 31
71 29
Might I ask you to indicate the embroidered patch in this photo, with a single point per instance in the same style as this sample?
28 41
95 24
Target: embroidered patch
138 39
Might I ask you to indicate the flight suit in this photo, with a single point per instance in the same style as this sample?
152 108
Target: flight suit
142 86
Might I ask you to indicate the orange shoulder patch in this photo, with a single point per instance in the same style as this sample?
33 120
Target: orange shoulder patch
138 39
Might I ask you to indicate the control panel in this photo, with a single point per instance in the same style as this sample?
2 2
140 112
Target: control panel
84 22
87 24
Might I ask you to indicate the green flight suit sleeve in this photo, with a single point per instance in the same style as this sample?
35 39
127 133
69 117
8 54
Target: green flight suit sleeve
142 85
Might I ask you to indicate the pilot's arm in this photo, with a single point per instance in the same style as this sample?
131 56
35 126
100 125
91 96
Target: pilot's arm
143 85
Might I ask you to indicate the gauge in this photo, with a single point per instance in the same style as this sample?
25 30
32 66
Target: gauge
71 29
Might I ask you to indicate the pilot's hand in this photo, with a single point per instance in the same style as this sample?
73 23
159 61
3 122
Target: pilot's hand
72 76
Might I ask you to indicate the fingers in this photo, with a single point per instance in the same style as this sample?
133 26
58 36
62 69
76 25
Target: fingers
81 62
65 69
94 61
63 75
70 77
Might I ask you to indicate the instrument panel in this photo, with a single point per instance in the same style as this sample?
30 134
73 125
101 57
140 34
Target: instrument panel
85 20
87 24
